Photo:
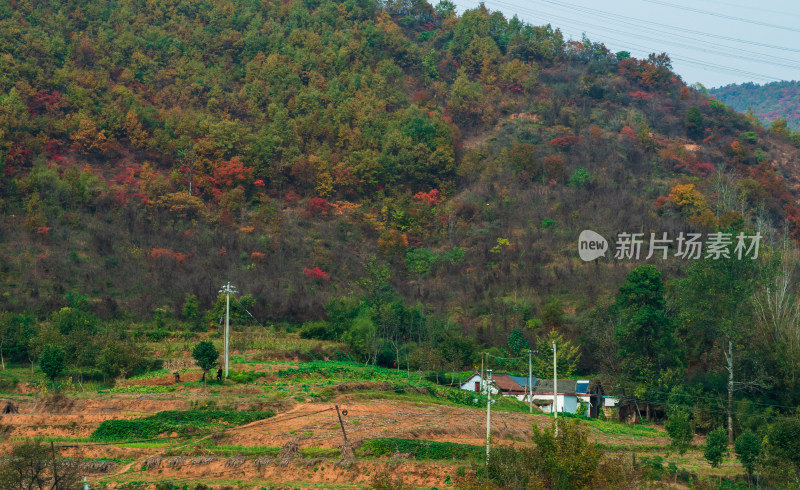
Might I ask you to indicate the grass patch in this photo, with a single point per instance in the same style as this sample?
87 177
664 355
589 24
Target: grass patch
182 422
150 375
140 389
245 377
272 451
421 449
616 428
632 448
400 382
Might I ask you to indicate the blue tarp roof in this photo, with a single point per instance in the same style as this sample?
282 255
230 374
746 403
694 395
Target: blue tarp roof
523 380
582 386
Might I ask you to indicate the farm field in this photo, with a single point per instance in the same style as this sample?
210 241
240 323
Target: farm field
274 424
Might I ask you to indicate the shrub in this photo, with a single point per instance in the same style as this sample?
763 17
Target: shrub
748 451
784 442
30 466
548 223
679 428
554 167
316 330
568 460
316 273
716 446
317 206
52 361
580 178
245 377
749 137
206 355
119 359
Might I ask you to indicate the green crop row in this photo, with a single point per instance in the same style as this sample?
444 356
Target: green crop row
342 370
181 422
420 449
141 389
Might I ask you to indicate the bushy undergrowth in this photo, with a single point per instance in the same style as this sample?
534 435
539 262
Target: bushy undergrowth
182 422
245 377
565 461
420 449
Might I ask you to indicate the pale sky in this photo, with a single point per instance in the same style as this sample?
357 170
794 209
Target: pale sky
714 42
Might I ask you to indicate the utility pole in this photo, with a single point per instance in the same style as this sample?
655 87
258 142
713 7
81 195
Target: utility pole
483 379
341 424
227 289
488 413
555 388
530 382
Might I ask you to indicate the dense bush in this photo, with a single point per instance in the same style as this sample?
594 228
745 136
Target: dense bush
716 446
566 461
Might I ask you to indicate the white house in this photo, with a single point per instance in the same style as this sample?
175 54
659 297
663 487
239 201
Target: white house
501 384
475 384
571 392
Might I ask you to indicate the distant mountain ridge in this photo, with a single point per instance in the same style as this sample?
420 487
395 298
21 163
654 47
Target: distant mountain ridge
768 102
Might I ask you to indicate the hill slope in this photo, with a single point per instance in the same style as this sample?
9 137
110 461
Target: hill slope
413 177
776 100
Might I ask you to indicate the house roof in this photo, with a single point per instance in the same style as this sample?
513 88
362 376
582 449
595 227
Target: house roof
506 383
564 386
523 380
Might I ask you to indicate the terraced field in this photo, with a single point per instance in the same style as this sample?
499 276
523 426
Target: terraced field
275 424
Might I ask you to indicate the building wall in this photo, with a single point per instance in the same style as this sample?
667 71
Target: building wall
469 385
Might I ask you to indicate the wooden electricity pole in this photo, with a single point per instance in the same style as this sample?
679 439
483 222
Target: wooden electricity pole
341 424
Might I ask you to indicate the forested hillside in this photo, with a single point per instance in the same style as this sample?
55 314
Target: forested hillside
775 102
390 175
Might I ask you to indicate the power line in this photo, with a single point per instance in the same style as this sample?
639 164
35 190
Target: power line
759 8
568 22
723 16
645 23
706 46
626 21
712 398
